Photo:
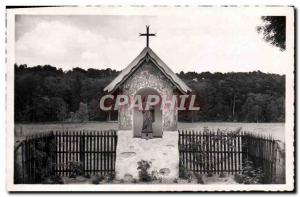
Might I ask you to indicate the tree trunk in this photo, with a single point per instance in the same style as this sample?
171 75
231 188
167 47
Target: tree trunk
233 107
108 117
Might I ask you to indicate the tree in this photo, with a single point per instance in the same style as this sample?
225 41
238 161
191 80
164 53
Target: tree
44 93
83 113
59 108
274 30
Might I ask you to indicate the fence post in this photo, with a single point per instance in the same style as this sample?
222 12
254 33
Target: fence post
273 160
207 162
115 149
82 150
245 150
53 152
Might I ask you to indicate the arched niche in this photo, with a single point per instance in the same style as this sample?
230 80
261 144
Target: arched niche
155 111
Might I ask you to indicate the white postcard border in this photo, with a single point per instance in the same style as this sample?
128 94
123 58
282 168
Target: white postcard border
140 10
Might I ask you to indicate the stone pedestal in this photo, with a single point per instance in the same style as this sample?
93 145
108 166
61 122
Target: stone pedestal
161 152
147 135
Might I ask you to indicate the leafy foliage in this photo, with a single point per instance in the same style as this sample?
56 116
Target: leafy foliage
76 169
45 94
241 97
143 167
251 174
42 154
184 173
201 156
274 30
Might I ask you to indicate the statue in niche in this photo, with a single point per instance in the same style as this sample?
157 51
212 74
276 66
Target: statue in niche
147 121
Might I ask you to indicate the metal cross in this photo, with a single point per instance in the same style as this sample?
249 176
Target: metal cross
147 34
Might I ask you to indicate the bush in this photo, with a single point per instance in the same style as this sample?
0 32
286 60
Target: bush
184 173
143 167
222 175
87 176
97 179
108 178
54 180
251 174
134 180
199 178
76 169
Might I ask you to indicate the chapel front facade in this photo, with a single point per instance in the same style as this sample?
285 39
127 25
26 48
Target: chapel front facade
148 75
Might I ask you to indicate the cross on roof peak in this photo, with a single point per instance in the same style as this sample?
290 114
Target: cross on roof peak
147 34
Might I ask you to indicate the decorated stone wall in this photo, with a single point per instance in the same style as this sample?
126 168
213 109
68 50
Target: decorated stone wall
147 76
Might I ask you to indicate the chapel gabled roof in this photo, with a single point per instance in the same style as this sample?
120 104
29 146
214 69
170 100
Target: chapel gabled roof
131 68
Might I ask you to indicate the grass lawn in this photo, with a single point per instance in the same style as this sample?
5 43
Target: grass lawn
277 130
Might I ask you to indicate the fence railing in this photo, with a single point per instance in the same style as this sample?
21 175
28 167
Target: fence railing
261 150
209 152
65 153
92 152
34 158
205 152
